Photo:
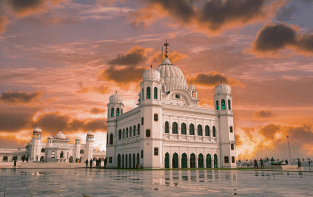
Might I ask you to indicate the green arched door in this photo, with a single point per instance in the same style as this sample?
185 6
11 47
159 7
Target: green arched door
175 160
200 161
215 161
167 160
184 160
208 161
192 160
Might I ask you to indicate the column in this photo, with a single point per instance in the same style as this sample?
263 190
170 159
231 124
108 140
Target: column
171 161
196 161
179 161
204 161
188 162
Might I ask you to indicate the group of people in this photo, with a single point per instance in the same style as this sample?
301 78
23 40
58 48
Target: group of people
98 163
256 163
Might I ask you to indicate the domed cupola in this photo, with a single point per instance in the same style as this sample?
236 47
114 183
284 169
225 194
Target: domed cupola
192 90
50 137
151 75
60 136
116 98
37 130
222 89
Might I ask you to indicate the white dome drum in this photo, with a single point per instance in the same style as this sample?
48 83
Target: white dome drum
151 74
60 136
37 130
116 98
222 89
90 134
171 76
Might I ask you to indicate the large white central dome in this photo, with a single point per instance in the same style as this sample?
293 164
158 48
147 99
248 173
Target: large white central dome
171 76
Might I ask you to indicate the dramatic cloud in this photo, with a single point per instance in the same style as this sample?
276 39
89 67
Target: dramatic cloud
27 7
214 78
4 21
133 57
263 114
20 97
97 111
15 121
173 57
273 38
210 17
269 131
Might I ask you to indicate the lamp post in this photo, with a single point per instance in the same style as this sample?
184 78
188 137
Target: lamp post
289 149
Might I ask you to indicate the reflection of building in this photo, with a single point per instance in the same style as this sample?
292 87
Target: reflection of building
57 149
168 129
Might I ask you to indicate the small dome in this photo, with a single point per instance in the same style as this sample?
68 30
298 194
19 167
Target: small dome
116 98
171 76
191 87
50 137
60 136
222 89
151 74
77 139
90 134
37 130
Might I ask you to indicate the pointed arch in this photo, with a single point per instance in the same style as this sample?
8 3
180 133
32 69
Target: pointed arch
155 93
191 129
199 130
167 127
183 128
174 128
223 104
148 93
207 130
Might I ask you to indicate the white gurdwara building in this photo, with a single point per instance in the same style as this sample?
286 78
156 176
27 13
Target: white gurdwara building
168 129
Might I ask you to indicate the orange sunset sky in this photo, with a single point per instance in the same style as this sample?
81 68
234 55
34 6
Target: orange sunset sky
60 60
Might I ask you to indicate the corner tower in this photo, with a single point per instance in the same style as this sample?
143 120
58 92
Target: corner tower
36 144
89 145
223 105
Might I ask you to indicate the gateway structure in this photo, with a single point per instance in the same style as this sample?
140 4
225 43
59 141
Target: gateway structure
168 129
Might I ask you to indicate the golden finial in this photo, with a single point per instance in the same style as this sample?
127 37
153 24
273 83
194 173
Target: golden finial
166 51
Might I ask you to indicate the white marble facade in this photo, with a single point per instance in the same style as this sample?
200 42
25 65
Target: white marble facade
168 129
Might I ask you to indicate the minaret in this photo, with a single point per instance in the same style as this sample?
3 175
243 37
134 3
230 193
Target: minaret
89 145
36 144
77 149
226 136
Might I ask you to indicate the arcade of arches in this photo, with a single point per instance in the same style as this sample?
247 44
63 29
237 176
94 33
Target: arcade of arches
191 161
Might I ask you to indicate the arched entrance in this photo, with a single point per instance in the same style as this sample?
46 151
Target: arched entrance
215 161
208 161
184 160
122 161
175 160
200 161
126 159
130 160
167 160
192 160
134 161
118 161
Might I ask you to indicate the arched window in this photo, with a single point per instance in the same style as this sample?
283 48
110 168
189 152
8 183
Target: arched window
112 112
200 160
214 132
118 161
193 94
232 146
123 133
14 158
120 134
191 129
229 105
117 111
148 92
167 160
134 130
166 127
192 160
215 161
126 132
82 151
42 150
230 129
223 104
111 138
199 130
183 128
174 128
138 159
155 93
130 131
5 158
61 154
143 94
138 129
207 130
217 107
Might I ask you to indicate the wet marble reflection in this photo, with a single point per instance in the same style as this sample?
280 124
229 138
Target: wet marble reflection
100 182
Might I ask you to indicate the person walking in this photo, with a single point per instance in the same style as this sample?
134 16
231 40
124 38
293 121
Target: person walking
256 163
262 166
299 164
90 163
86 163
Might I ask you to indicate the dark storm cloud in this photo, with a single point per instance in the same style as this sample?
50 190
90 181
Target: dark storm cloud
15 122
212 79
275 37
135 56
121 76
270 130
20 97
263 114
209 16
96 111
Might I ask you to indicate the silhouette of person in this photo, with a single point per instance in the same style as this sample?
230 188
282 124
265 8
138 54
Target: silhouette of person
86 163
91 163
262 166
299 164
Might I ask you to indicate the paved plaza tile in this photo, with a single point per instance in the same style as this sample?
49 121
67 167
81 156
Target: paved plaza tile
101 182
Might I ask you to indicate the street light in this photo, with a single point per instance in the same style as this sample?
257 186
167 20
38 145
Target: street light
289 148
